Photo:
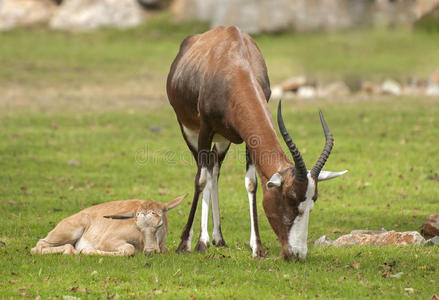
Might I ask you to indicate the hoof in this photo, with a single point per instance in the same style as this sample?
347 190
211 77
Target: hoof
183 247
70 250
288 255
259 253
220 243
201 246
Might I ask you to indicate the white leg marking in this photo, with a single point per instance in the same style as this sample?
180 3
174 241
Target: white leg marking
204 234
299 231
221 147
191 136
250 185
216 235
202 180
189 240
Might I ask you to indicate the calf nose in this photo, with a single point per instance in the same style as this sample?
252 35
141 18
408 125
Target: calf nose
148 251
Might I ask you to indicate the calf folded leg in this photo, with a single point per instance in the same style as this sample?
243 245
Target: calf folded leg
124 250
63 237
64 249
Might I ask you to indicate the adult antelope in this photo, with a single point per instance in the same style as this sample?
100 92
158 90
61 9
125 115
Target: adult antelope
219 88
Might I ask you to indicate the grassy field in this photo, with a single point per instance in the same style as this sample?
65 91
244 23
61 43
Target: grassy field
99 98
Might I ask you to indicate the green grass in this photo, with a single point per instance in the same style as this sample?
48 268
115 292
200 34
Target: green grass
88 97
388 146
39 57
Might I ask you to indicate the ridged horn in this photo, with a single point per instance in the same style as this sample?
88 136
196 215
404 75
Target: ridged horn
326 150
301 171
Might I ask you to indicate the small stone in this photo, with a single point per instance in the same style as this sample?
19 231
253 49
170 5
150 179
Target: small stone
306 92
397 275
293 83
369 87
74 162
381 239
323 241
391 87
276 93
431 226
337 88
432 90
155 129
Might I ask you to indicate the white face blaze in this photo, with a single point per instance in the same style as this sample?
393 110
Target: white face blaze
298 234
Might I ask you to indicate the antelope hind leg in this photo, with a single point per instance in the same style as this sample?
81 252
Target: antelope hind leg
64 249
62 238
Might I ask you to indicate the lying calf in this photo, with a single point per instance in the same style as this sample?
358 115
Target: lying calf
112 228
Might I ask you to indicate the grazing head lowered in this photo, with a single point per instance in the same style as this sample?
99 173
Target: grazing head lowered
112 228
290 194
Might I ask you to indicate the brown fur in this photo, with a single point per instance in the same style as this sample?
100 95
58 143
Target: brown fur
218 84
107 236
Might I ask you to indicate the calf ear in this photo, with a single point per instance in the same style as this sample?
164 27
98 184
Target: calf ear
326 175
171 204
122 216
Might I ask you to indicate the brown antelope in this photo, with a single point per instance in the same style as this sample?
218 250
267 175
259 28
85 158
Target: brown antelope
219 88
143 227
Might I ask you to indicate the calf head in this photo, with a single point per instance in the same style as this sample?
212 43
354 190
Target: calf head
149 218
290 194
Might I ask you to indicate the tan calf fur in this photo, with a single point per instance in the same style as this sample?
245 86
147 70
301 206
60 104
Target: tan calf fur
112 228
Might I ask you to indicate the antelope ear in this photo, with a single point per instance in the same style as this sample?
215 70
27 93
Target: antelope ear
326 175
275 181
122 216
174 203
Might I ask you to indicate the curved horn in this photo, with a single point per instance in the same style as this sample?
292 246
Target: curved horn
326 150
301 171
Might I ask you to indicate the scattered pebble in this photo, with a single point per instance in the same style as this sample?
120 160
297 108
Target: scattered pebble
74 162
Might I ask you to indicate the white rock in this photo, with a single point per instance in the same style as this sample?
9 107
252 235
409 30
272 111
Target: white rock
369 87
276 93
337 88
391 87
25 12
293 83
91 14
323 241
432 90
306 92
